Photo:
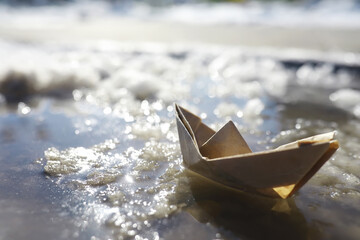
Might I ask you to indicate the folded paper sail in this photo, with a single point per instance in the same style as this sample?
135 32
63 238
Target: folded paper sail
225 157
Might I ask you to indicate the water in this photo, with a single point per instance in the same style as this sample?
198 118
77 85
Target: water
89 148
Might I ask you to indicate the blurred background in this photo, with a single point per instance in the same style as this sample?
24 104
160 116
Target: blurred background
88 142
316 24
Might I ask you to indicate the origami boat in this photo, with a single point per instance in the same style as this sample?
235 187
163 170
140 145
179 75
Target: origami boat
226 158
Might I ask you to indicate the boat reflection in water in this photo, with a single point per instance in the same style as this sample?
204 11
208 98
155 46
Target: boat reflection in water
246 215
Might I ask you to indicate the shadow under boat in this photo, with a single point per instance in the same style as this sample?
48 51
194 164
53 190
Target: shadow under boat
245 215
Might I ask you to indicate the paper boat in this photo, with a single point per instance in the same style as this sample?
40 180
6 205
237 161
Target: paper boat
226 158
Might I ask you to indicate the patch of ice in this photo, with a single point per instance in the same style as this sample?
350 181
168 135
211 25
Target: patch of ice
253 108
154 151
23 108
356 110
73 160
323 76
347 99
227 109
140 185
46 76
142 85
236 88
147 130
101 178
276 84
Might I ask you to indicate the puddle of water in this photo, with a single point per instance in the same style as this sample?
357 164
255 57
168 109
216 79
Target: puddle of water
105 163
